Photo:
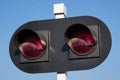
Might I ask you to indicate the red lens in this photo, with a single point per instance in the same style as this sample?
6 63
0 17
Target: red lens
82 44
32 47
80 39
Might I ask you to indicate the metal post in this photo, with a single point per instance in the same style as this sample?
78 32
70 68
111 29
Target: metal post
61 76
60 12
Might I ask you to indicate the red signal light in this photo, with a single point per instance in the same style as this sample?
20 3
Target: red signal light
80 39
30 44
33 47
43 46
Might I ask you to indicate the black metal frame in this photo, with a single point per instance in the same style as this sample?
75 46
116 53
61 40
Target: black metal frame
58 51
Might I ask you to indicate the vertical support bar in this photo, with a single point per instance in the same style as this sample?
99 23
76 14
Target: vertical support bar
60 12
61 76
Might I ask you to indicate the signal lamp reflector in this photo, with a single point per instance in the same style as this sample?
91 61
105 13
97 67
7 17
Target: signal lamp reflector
80 39
30 44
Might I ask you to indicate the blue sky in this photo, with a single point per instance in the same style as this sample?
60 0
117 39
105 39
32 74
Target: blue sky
14 13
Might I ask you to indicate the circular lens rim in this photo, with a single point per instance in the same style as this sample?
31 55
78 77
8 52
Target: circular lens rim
68 40
38 35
